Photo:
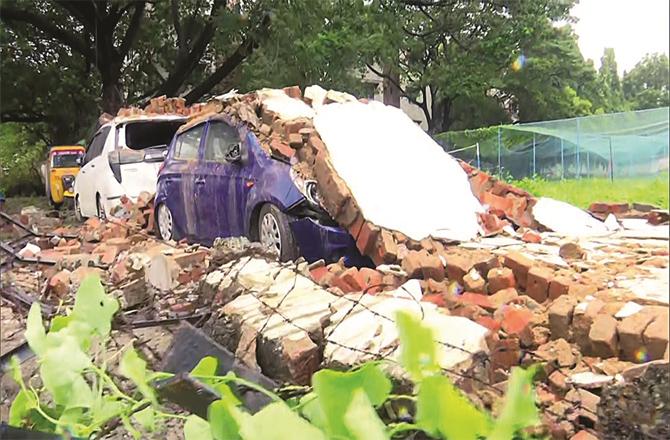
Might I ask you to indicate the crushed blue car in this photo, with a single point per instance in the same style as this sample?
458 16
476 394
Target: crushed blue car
217 181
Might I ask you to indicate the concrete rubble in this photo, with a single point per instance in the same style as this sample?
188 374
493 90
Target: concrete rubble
585 293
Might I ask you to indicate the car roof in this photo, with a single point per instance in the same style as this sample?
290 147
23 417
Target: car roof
144 118
67 147
205 117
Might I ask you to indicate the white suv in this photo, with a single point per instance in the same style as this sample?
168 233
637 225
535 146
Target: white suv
122 158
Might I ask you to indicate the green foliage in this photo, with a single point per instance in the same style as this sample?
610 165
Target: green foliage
647 84
21 153
79 397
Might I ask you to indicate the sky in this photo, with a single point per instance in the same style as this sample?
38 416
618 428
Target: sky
632 27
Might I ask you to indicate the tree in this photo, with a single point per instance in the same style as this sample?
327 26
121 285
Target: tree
610 94
165 47
553 81
452 50
647 85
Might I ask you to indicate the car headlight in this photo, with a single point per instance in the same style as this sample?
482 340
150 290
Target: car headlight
307 188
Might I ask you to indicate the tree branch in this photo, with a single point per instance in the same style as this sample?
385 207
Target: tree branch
186 63
395 83
177 24
84 12
133 29
10 14
24 117
246 48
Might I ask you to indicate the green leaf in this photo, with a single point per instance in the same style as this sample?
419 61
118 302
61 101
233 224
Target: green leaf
35 333
418 349
227 394
442 411
312 411
146 418
61 370
277 422
93 306
196 428
519 410
15 371
206 367
362 419
135 368
59 322
225 418
106 408
20 409
335 391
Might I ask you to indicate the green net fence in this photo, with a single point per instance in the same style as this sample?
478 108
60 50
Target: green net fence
616 145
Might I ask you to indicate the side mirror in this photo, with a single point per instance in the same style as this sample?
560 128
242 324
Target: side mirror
235 153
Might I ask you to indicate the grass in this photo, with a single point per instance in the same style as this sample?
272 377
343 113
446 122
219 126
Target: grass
586 191
13 205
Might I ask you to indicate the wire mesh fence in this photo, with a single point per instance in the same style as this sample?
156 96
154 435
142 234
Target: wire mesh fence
613 146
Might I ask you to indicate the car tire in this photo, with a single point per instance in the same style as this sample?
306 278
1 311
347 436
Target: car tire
77 210
102 215
274 232
165 227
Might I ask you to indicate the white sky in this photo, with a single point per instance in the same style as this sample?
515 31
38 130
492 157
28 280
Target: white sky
632 27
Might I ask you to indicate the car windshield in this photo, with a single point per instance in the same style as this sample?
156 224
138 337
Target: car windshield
65 159
147 134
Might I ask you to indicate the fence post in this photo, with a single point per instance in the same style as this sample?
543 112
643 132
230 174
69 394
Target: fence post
588 164
479 164
611 162
499 142
534 169
579 166
562 162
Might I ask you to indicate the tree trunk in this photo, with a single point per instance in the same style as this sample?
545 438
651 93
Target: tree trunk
391 91
441 120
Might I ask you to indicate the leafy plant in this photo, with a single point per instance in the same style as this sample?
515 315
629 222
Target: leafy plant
79 396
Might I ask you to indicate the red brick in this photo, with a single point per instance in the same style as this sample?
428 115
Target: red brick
583 316
387 249
350 276
520 265
583 435
457 267
484 264
59 284
538 283
560 317
499 279
497 203
502 297
431 267
603 336
491 223
559 286
504 353
474 282
280 148
435 298
293 91
355 227
480 183
367 238
656 337
516 321
190 258
489 323
411 264
371 278
301 357
109 256
476 299
609 208
531 237
318 274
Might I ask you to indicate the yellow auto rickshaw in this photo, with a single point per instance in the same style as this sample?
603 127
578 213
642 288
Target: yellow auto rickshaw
62 166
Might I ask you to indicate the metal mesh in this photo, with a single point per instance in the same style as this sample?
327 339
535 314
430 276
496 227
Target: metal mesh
617 145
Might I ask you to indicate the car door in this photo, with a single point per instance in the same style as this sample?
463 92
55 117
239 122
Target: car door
87 179
217 180
183 165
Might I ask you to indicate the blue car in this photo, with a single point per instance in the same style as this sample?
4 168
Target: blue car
217 181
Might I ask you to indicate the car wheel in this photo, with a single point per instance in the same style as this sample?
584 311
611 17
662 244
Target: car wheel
102 215
275 233
165 223
77 210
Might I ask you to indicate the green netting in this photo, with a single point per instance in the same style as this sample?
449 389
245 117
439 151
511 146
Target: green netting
628 144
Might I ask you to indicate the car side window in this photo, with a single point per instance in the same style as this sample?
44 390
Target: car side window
221 138
187 143
97 144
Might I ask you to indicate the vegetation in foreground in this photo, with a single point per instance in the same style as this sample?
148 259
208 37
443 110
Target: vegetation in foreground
583 192
79 394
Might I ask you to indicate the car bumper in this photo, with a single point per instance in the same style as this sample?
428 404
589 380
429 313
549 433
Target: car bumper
326 242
